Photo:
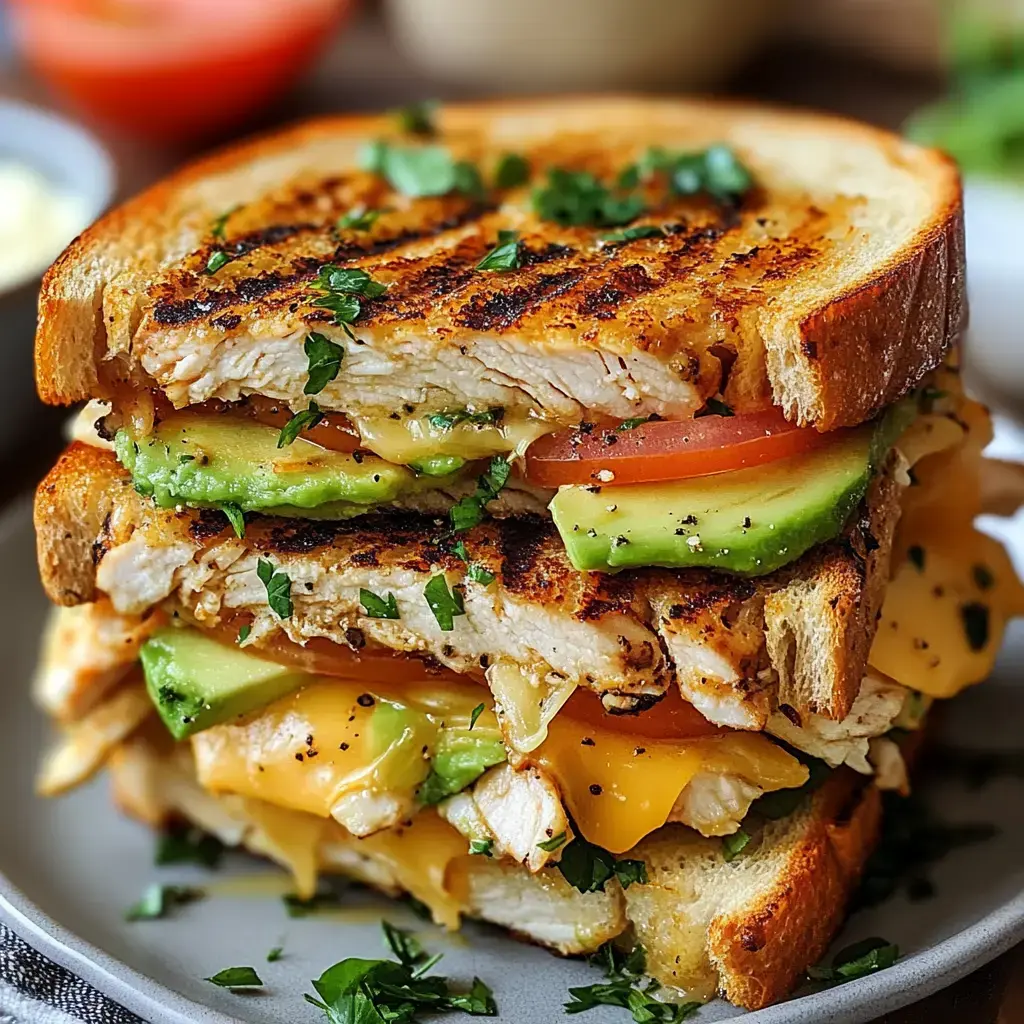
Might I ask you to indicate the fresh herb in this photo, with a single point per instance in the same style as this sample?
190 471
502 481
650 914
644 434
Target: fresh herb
447 420
975 619
625 972
235 517
183 459
734 845
304 420
459 550
983 578
469 512
404 945
236 977
159 900
359 218
857 961
716 171
475 714
324 358
419 171
342 287
552 844
589 867
505 255
482 847
217 229
716 407
783 802
512 170
916 555
478 574
631 234
379 607
188 845
417 118
279 588
322 899
218 258
577 198
243 633
637 421
444 603
275 954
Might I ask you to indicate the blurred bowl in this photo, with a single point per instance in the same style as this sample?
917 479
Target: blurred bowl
553 45
78 171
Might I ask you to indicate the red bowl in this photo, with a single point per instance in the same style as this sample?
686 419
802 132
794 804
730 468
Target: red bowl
172 70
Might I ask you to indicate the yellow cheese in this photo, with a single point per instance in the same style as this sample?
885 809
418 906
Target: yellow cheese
619 788
409 440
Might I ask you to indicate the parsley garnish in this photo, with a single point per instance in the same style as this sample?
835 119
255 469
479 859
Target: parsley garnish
342 288
857 961
217 260
419 171
975 618
323 899
459 550
158 901
589 867
505 255
468 512
637 421
234 517
512 170
188 845
236 977
417 118
279 588
483 847
478 574
359 218
324 359
218 226
444 603
404 945
379 607
243 633
307 419
552 844
734 845
717 171
476 713
631 234
625 973
716 407
275 954
577 198
447 420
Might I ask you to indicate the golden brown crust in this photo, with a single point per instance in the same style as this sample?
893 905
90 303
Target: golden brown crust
812 303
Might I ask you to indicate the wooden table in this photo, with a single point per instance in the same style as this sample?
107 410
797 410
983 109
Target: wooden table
364 72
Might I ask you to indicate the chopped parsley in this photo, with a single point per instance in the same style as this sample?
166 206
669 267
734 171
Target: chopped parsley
857 961
447 420
275 954
483 847
716 407
734 845
379 607
975 619
444 603
512 170
577 198
243 633
417 118
716 171
631 234
306 419
342 288
478 574
236 977
235 517
188 845
404 945
505 255
324 359
470 510
158 901
476 713
552 844
279 588
637 421
419 171
218 258
322 899
217 229
359 218
589 867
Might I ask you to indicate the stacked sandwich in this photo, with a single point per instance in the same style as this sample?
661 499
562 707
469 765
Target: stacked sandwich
559 512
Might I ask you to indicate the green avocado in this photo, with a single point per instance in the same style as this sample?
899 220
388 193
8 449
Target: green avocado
213 460
748 522
196 682
460 758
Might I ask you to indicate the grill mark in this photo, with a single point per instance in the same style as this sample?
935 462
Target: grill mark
521 543
207 524
627 283
502 310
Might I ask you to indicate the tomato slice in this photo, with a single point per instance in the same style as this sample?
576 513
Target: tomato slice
672 718
667 449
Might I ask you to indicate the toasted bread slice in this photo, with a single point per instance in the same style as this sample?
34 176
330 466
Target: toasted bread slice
829 291
738 649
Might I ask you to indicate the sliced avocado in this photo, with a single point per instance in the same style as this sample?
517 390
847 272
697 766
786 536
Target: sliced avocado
750 521
197 683
460 758
212 460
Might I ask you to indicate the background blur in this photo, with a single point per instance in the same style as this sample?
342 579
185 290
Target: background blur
144 84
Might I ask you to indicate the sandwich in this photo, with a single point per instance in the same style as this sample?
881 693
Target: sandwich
560 512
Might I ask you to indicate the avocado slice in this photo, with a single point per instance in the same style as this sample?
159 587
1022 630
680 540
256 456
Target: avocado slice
748 522
196 682
211 460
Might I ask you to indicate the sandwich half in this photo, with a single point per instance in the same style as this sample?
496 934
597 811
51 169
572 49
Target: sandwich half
563 514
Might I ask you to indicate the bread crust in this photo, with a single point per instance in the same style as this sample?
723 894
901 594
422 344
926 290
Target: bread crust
832 357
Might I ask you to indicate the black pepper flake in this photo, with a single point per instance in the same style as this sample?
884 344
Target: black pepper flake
586 428
610 439
916 555
595 789
299 757
343 746
975 617
586 742
746 522
983 577
690 520
364 700
309 740
637 751
358 457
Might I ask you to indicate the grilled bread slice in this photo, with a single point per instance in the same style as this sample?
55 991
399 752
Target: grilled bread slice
829 290
738 649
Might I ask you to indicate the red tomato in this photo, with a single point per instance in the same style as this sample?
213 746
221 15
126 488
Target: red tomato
672 718
667 449
170 70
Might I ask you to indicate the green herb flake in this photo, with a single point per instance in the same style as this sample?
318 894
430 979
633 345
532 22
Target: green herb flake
631 234
734 845
578 199
279 588
159 900
417 118
235 517
459 550
475 714
975 619
188 845
324 359
218 228
716 407
478 574
857 961
304 420
359 218
236 977
470 511
379 607
915 553
983 578
589 867
482 847
218 258
552 844
447 420
419 171
637 421
403 944
275 954
322 900
512 170
243 633
444 603
341 289
505 255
